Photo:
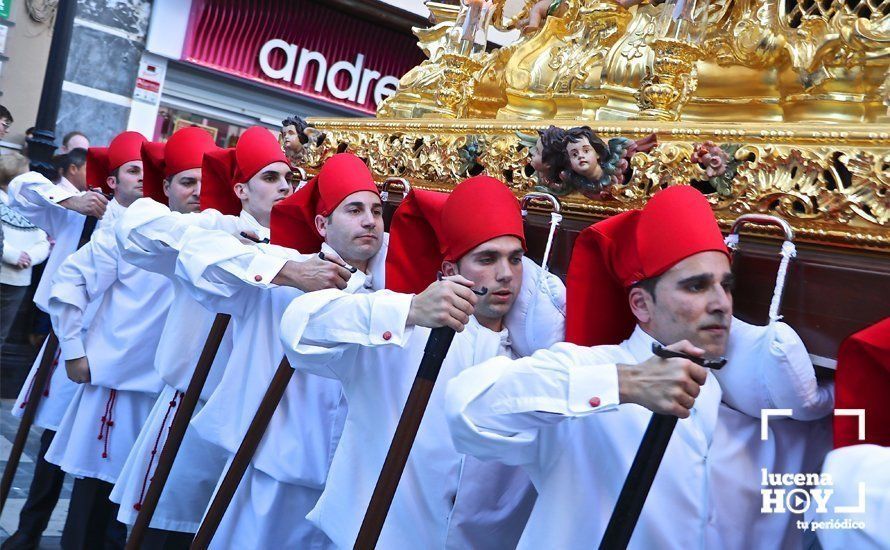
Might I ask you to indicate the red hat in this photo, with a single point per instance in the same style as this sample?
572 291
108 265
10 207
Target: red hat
862 381
102 161
611 256
415 255
223 168
183 151
293 219
479 209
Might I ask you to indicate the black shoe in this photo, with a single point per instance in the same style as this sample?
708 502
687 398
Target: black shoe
21 541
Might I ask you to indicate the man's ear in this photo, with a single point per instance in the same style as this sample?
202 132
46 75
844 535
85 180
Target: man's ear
641 304
449 269
167 183
321 225
241 190
111 182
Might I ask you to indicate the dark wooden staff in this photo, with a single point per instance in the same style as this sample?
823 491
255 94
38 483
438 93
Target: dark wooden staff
645 465
242 458
38 384
177 430
406 431
253 437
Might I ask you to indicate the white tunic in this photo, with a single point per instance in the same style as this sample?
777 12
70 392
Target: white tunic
445 499
150 236
860 475
37 199
536 412
120 344
291 464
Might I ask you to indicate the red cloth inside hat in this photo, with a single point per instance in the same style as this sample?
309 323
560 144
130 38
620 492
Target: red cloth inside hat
612 255
479 209
183 151
153 171
414 256
862 381
217 187
293 219
102 161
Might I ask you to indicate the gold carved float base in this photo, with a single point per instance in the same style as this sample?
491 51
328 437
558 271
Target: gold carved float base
830 182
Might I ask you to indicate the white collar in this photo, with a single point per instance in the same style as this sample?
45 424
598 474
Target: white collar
64 183
261 231
640 344
4 196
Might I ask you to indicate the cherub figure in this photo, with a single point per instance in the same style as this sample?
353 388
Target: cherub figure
546 156
535 13
296 135
591 165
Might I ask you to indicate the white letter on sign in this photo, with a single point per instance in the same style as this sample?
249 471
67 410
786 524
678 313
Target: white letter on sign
290 52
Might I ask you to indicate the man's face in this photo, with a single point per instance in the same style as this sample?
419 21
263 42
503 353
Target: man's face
5 123
77 175
693 301
496 265
265 189
184 191
127 184
77 142
355 228
583 158
536 160
291 138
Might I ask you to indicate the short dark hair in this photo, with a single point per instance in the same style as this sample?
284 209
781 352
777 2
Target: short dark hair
649 286
4 113
70 135
76 157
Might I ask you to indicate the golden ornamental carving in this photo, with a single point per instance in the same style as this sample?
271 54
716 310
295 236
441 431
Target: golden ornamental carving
830 183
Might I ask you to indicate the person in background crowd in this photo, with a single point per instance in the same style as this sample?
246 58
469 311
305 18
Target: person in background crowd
74 140
5 121
25 246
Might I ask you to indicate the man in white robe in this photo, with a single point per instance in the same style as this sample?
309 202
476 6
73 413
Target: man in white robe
537 412
60 209
150 235
373 343
338 213
112 361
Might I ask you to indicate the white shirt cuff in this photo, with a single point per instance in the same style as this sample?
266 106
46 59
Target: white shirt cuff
593 388
263 268
72 349
389 315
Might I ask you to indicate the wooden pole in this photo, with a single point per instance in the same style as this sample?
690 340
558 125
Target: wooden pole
177 430
242 458
38 383
406 431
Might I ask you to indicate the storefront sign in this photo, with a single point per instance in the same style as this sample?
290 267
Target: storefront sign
302 46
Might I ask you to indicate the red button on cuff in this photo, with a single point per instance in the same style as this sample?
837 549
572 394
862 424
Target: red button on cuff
595 402
258 278
387 335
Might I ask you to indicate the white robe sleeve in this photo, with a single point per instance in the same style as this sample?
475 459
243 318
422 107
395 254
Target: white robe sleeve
319 328
497 409
37 198
39 252
81 279
150 235
769 368
222 273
